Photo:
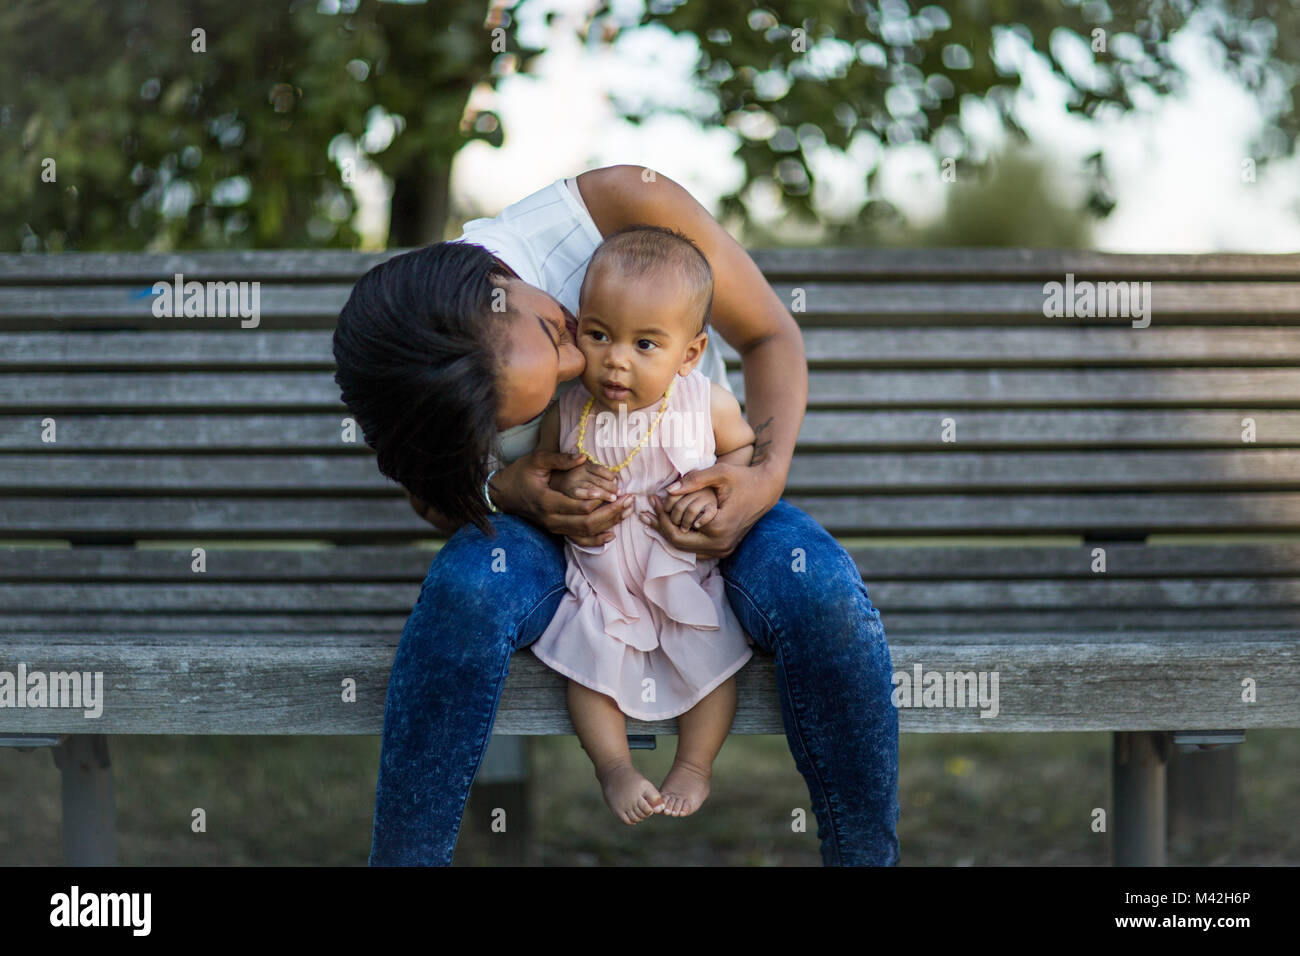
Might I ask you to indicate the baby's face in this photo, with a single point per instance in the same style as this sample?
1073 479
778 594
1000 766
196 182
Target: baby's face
636 335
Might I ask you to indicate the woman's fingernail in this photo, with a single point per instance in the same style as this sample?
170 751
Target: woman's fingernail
672 489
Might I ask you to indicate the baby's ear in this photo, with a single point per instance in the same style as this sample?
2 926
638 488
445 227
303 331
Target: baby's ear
694 352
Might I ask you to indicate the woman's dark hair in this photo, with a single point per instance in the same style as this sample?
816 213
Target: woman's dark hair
418 373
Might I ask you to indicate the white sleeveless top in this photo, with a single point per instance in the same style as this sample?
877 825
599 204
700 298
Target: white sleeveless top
548 238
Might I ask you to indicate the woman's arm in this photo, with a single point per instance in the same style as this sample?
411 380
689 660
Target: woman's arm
748 314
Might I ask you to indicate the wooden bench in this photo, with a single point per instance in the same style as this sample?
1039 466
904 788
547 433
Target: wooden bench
979 459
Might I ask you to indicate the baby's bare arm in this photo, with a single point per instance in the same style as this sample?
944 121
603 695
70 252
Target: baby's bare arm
731 433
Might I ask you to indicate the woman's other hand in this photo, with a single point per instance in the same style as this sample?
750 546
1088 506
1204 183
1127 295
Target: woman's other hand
524 488
743 498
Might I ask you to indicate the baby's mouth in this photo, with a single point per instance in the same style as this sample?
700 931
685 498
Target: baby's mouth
615 392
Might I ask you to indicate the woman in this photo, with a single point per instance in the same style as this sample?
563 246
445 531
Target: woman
447 357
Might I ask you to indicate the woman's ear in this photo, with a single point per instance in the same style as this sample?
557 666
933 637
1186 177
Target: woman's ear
694 352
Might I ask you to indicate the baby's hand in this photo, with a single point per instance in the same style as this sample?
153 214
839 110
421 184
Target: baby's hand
588 480
693 511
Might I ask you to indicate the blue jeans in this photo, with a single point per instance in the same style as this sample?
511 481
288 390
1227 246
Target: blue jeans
832 663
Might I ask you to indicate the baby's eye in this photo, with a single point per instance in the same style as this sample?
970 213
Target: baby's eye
596 334
645 345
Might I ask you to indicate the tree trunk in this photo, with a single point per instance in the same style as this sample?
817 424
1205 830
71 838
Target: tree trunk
419 207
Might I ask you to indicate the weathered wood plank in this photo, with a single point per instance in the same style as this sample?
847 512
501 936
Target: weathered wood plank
822 430
358 563
294 265
403 563
53 305
296 305
1067 345
388 519
949 303
224 432
316 265
101 391
355 519
179 349
824 347
353 597
1077 388
1051 428
204 598
259 392
1243 469
941 265
218 685
258 627
963 625
1101 514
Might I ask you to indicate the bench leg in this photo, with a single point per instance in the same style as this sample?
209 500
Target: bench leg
1203 801
501 794
1139 798
89 834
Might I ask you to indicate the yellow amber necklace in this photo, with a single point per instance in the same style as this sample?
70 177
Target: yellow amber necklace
582 431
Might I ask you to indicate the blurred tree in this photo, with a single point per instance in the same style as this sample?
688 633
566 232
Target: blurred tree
793 76
204 123
1011 200
247 133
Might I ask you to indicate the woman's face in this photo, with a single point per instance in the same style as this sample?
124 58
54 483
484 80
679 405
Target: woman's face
537 352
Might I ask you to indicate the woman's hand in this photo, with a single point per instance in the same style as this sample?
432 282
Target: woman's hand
745 494
524 488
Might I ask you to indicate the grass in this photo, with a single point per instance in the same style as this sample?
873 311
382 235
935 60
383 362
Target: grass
967 799
991 799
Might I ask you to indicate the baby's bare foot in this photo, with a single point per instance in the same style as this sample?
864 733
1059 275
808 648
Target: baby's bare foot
684 789
630 795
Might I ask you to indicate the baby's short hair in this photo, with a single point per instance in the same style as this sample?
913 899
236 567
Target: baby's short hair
645 250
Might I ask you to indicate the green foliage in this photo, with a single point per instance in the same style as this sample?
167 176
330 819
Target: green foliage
160 141
1013 202
792 75
156 145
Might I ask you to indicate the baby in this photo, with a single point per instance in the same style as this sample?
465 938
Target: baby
644 629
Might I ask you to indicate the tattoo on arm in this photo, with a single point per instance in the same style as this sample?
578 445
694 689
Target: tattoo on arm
760 445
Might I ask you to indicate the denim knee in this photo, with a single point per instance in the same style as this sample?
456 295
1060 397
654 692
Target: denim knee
798 575
480 590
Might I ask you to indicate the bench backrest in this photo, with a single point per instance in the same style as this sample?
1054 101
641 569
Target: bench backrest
964 442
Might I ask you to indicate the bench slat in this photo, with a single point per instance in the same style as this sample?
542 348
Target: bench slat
215 684
290 432
897 597
1245 468
1076 388
314 265
964 625
286 628
49 392
878 348
402 563
308 305
352 518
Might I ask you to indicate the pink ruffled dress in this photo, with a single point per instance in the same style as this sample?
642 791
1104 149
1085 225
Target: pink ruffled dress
641 621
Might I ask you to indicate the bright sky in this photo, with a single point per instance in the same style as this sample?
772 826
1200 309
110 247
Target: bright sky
1176 169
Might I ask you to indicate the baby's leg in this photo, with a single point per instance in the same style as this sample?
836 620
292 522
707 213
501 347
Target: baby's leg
602 728
701 732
